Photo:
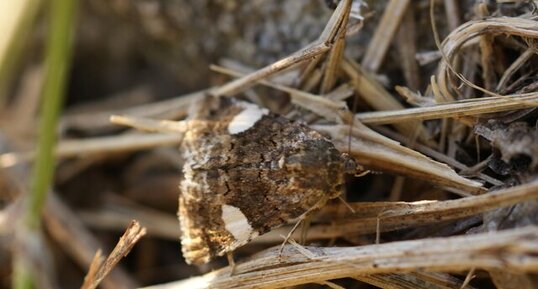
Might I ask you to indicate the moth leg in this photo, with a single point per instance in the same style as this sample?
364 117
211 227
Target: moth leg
301 219
304 229
350 208
231 262
288 236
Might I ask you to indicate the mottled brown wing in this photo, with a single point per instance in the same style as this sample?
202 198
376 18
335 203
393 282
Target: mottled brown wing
243 179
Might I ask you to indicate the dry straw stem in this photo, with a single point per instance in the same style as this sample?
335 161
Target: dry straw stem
407 49
342 92
65 228
486 52
171 136
415 280
372 149
332 110
310 75
152 125
378 46
373 93
377 152
391 215
513 250
118 144
131 236
468 278
455 109
401 215
437 155
513 68
320 46
99 146
503 279
335 56
452 14
97 262
174 108
78 242
508 26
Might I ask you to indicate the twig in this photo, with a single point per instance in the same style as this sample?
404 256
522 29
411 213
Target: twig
513 249
401 215
78 242
453 110
325 107
97 262
414 280
174 108
452 12
380 99
407 48
511 280
509 72
437 155
379 153
322 45
468 278
99 145
131 236
500 25
378 46
335 58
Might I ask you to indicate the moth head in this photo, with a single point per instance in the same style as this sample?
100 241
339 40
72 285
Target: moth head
351 167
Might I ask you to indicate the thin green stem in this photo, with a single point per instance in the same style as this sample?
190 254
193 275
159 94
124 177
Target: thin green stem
57 58
57 64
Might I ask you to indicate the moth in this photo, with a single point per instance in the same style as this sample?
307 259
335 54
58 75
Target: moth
248 171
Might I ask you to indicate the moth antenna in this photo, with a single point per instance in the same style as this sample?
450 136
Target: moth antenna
148 124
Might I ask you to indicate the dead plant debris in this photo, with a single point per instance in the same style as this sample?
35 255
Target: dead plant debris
433 101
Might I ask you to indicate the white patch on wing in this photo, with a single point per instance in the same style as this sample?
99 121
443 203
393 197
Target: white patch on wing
281 162
244 120
237 224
